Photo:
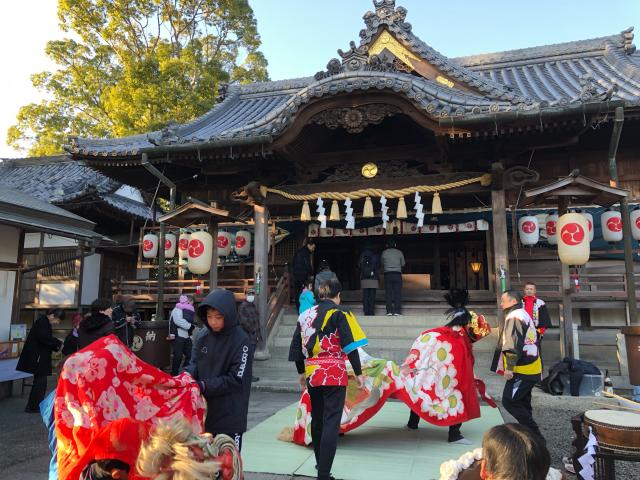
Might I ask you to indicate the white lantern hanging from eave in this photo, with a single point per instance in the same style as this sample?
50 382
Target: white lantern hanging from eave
224 244
635 223
611 223
169 245
200 252
528 230
150 245
242 245
573 239
551 227
183 245
589 218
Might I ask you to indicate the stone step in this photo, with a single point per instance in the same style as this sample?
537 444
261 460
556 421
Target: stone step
422 321
378 331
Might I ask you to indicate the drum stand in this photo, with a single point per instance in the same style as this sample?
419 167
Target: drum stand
605 465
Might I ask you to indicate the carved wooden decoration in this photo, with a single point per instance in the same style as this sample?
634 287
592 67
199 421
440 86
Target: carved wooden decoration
355 120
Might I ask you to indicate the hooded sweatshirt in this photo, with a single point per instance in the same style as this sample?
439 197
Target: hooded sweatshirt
222 362
95 326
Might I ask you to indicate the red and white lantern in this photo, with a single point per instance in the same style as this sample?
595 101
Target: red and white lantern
551 227
635 223
589 218
573 239
529 230
224 244
611 223
169 245
183 245
150 245
200 252
242 244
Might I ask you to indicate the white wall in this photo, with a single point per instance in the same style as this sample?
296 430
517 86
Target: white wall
9 241
91 278
32 240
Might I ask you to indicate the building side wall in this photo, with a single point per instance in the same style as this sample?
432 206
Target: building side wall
8 253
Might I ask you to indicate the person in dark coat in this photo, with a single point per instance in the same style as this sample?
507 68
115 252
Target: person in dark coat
126 319
36 356
249 320
98 324
221 365
302 267
71 344
369 266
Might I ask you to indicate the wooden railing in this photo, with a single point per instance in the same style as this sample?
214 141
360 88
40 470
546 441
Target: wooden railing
593 286
277 300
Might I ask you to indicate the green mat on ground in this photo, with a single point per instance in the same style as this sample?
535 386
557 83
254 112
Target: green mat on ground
380 449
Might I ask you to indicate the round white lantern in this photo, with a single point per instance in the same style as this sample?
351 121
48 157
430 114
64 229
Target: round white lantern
551 226
224 244
635 223
573 239
169 245
529 230
611 223
242 244
589 218
183 245
150 245
200 252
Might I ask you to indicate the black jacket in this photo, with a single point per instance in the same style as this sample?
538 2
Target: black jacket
36 354
92 328
222 360
123 329
302 268
249 320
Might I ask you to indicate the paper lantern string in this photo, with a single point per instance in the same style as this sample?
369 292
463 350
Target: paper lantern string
417 206
322 218
348 215
384 208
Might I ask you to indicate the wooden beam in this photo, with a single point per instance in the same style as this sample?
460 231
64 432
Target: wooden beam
261 272
499 230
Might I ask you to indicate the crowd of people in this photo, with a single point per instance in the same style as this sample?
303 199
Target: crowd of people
211 371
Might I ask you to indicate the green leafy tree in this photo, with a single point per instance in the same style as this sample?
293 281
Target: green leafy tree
135 65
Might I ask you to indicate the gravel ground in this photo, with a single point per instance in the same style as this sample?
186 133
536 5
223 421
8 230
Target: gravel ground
23 438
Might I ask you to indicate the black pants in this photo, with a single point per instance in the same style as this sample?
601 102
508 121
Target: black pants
369 301
181 348
454 430
38 392
326 411
237 438
393 291
516 399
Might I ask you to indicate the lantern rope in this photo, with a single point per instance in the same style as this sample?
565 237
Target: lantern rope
484 180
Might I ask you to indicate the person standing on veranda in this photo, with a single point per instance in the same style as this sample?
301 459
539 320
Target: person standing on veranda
392 260
302 267
324 336
537 310
369 266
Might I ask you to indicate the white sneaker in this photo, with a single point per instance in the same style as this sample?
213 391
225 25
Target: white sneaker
389 314
462 441
396 314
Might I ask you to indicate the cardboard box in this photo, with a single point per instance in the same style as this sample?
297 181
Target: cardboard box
11 349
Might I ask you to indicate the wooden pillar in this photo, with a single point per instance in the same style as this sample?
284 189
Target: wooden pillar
499 229
213 272
436 283
566 310
80 273
17 287
628 263
487 269
261 272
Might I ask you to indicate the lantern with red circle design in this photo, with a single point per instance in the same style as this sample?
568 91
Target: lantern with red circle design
169 245
589 218
183 245
200 252
611 223
150 245
529 230
224 244
573 239
551 227
635 223
242 245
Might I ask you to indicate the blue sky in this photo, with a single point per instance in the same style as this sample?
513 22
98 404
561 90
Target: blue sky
300 36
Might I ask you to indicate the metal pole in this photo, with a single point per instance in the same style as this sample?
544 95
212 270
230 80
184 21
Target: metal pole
626 223
172 203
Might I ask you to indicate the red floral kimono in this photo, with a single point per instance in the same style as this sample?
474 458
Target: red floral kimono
440 388
105 382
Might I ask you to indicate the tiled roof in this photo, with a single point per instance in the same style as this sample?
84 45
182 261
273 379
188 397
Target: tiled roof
60 180
553 76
